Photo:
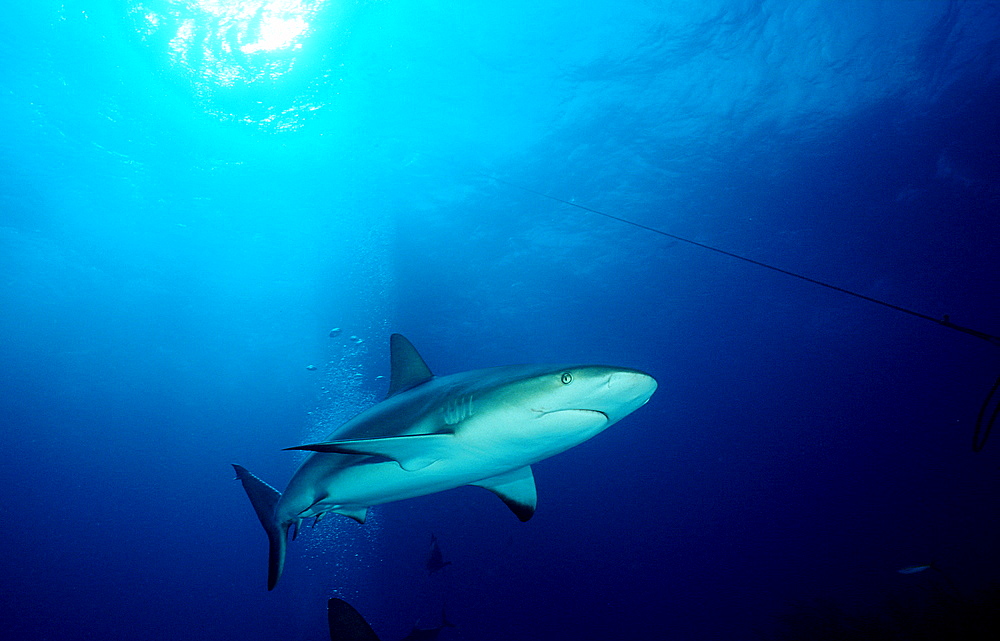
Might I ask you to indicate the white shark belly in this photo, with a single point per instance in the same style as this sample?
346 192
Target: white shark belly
375 483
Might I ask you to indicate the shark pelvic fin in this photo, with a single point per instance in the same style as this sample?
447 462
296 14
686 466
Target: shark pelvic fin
263 497
408 368
413 452
516 489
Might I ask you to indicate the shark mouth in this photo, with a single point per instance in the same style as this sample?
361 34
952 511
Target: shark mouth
578 409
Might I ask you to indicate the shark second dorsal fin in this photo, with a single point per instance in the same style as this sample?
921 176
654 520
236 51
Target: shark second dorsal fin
408 368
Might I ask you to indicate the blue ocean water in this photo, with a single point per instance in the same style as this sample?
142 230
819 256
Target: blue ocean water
195 192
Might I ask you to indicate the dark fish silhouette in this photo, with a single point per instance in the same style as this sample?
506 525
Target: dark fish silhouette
429 634
915 569
435 561
346 624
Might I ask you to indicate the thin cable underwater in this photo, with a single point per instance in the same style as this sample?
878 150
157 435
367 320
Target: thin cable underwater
982 431
983 424
940 321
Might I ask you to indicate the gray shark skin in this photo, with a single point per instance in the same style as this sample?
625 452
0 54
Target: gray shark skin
432 433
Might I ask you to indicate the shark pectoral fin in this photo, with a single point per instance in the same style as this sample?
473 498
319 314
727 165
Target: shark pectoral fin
516 489
263 497
414 452
359 514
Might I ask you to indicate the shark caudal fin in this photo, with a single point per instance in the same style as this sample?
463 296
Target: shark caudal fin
263 497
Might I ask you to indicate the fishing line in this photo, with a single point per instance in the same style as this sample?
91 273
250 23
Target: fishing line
982 431
983 424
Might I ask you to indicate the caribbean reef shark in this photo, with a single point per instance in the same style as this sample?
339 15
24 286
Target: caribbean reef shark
431 433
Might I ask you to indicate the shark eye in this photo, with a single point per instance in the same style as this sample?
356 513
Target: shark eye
566 378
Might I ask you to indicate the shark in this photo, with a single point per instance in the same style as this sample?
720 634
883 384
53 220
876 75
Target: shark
483 427
435 560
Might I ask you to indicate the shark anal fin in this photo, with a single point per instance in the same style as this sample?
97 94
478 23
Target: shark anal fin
359 514
516 489
408 369
263 497
414 452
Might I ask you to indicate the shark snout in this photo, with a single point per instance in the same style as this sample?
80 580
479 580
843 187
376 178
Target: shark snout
627 391
632 383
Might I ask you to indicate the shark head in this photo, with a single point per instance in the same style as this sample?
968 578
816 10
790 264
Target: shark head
588 392
550 409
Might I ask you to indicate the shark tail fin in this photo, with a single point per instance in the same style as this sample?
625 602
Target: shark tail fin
264 498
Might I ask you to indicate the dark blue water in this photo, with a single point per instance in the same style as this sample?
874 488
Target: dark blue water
194 193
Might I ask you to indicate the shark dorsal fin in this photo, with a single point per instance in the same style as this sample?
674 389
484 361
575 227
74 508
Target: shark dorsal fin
408 369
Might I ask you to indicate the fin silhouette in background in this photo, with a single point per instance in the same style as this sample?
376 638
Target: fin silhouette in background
346 624
435 560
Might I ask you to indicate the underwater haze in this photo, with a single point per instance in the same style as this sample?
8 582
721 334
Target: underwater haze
195 193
